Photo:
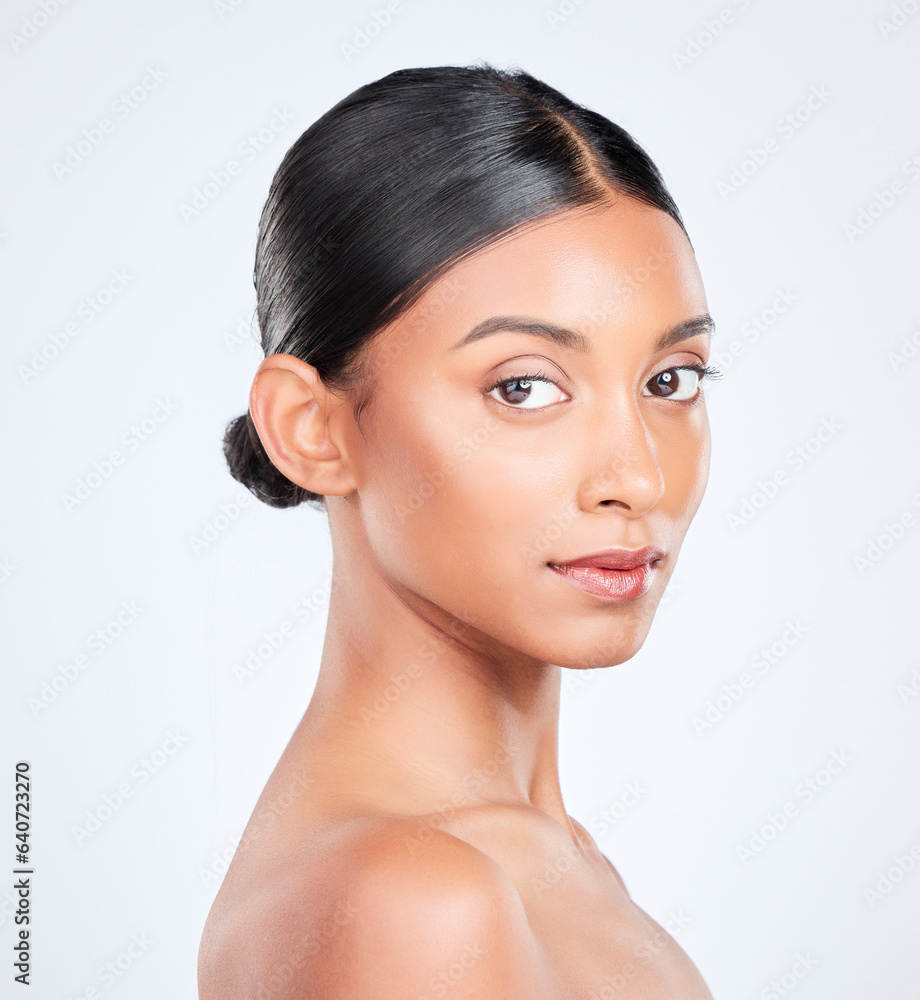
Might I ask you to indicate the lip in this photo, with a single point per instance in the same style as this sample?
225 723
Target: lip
614 574
615 558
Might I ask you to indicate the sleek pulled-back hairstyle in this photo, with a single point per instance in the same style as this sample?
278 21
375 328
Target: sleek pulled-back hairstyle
393 185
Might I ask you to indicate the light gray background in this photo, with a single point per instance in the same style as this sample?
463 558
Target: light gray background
172 333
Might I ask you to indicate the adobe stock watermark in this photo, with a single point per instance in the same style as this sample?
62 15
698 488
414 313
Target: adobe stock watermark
324 934
141 772
33 24
396 684
472 783
795 460
377 21
882 201
274 639
893 532
562 12
321 251
755 327
556 869
464 448
261 651
84 314
437 301
224 7
604 820
448 977
712 29
219 863
560 522
415 152
7 569
242 333
109 973
227 514
576 678
888 879
910 688
103 469
785 127
267 816
898 16
433 648
806 791
761 664
625 283
614 985
120 109
907 349
787 982
671 590
97 643
220 179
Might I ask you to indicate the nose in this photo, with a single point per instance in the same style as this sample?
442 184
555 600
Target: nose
625 471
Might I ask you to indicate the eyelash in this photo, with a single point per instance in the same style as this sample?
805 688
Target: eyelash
704 371
536 376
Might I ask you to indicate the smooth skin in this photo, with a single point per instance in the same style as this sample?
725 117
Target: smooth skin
412 840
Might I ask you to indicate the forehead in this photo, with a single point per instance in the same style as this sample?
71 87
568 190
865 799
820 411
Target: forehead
625 264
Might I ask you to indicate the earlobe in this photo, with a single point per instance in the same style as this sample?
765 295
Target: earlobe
293 414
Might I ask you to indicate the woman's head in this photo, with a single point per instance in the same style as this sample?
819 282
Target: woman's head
393 185
481 314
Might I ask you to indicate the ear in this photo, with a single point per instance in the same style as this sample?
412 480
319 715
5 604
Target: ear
302 425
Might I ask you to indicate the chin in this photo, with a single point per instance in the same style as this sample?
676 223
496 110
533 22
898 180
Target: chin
616 642
598 660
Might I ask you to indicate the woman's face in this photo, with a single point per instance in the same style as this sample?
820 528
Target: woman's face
469 494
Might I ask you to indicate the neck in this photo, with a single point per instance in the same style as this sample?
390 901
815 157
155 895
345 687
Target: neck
415 712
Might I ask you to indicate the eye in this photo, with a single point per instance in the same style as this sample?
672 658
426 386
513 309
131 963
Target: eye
532 391
681 384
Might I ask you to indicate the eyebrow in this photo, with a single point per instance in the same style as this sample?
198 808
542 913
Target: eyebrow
576 341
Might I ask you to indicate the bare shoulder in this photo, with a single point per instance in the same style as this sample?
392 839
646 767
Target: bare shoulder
388 906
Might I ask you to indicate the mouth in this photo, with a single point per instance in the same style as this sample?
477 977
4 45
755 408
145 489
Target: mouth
613 575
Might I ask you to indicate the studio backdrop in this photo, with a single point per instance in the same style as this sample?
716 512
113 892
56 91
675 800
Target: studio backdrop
752 772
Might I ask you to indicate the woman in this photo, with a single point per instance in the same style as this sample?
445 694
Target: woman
485 333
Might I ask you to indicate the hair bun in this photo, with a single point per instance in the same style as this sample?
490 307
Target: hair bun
250 465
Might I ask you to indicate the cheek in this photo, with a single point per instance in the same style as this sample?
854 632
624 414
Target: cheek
684 460
445 512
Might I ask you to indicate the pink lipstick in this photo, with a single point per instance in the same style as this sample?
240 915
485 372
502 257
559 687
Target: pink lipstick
614 574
